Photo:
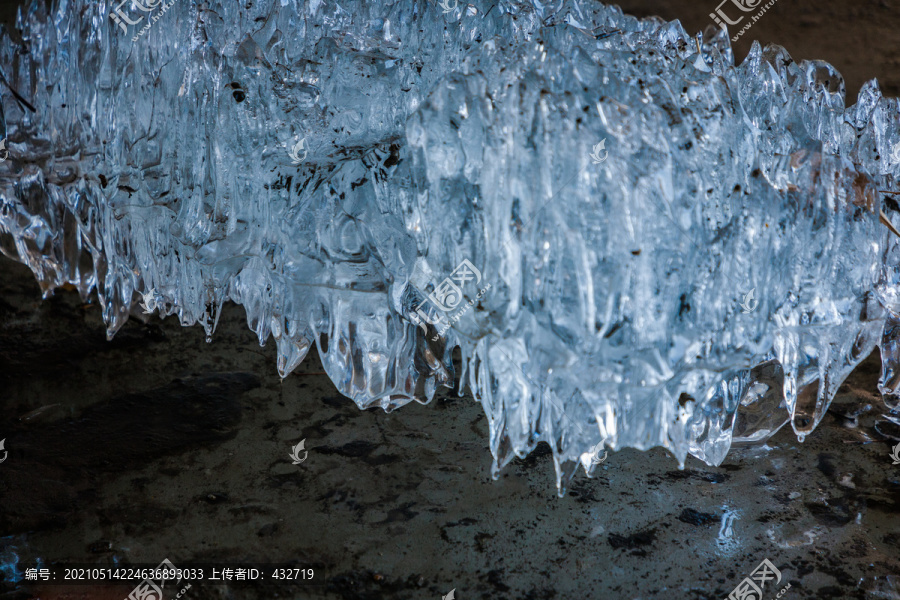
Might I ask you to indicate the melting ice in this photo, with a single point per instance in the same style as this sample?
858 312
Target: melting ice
629 239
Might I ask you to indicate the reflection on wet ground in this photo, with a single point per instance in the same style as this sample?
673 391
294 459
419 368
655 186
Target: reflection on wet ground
159 445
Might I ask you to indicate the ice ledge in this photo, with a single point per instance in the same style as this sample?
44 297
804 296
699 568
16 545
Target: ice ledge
671 250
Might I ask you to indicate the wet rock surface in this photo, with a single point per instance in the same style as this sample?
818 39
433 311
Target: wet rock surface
175 448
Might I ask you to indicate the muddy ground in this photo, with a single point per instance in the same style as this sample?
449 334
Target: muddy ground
158 445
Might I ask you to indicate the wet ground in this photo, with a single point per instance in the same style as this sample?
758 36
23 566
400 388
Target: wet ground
158 445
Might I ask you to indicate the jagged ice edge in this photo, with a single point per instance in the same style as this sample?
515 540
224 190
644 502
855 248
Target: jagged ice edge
372 200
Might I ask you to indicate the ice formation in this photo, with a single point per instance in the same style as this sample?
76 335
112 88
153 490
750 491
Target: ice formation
631 241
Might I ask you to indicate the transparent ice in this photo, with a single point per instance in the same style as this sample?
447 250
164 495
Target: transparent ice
160 172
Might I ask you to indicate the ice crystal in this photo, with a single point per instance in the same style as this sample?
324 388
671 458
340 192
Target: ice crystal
632 241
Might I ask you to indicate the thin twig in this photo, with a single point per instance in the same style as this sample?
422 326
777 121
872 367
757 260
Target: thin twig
886 222
16 95
884 218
